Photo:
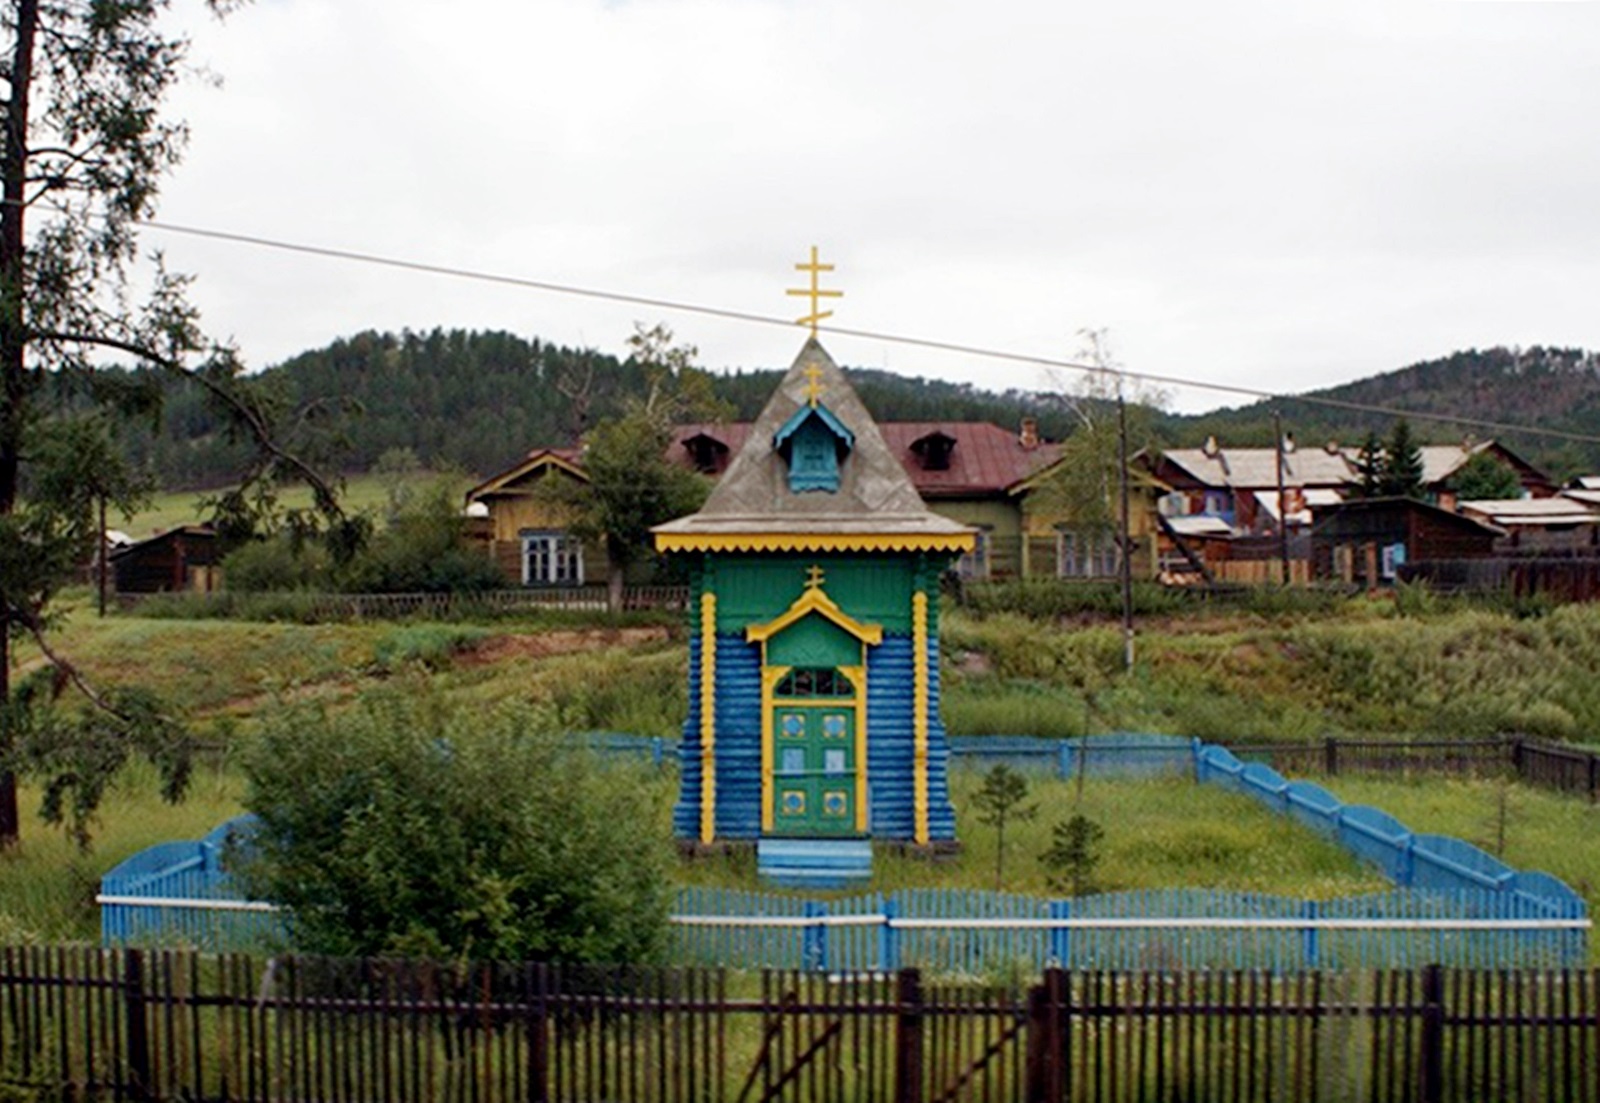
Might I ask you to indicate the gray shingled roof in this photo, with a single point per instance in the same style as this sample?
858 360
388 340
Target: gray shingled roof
875 495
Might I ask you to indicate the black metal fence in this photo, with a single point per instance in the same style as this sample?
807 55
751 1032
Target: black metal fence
1544 765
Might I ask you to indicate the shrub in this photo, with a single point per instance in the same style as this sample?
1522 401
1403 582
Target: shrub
275 565
428 645
401 827
422 550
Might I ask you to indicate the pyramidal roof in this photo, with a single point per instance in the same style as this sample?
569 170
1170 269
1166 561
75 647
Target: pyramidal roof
874 507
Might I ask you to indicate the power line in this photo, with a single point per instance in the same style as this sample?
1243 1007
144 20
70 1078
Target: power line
978 351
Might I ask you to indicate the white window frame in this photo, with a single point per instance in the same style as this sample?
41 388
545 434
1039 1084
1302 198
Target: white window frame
559 558
1099 554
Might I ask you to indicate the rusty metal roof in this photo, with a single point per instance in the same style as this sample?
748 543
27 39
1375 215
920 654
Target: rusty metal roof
985 459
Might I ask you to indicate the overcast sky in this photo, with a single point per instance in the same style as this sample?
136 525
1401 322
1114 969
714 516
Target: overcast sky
1275 195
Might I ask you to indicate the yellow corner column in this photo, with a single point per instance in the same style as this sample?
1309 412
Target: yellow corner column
919 719
708 718
770 677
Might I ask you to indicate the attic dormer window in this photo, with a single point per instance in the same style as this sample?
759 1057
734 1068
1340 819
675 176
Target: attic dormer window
813 443
708 454
933 450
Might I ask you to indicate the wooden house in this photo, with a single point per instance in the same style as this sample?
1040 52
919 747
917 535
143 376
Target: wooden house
523 528
814 659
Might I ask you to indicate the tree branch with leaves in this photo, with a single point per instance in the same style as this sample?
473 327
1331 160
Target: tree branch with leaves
83 152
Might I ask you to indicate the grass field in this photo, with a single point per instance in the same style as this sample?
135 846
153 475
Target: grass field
182 507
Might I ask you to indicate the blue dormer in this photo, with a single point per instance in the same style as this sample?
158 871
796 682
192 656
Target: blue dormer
813 443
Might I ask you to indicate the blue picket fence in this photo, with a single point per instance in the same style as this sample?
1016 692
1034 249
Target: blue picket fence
988 933
1119 754
180 893
1452 903
1437 863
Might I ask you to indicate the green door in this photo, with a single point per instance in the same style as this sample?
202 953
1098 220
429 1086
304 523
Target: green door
814 770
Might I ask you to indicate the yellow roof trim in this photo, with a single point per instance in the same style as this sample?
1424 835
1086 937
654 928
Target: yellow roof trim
815 601
813 542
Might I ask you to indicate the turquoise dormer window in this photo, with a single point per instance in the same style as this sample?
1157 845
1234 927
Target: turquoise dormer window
813 443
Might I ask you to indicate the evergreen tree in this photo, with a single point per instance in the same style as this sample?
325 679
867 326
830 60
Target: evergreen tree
1369 467
1000 803
1402 464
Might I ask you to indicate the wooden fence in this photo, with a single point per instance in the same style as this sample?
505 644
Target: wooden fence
78 1023
316 607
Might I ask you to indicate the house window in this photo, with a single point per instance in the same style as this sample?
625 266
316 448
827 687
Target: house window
1087 555
551 559
975 563
1393 558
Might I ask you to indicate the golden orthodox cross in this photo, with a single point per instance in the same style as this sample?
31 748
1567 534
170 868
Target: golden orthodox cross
814 292
813 376
814 577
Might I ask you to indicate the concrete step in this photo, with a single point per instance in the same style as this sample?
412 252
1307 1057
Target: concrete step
815 863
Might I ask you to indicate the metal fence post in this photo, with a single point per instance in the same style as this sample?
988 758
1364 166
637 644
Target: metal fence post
814 948
889 936
1061 937
536 996
1310 941
136 1033
1330 756
1046 1053
1432 1057
908 1038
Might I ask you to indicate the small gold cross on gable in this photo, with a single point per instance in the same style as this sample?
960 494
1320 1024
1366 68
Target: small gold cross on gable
814 577
814 292
813 376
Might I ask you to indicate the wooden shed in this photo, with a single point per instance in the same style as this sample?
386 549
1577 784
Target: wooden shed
186 558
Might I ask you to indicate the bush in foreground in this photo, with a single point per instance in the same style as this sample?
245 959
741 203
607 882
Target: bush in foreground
401 827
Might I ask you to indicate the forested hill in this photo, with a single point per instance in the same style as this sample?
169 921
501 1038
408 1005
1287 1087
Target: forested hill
479 401
1551 388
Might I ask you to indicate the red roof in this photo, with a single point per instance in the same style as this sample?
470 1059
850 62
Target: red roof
985 459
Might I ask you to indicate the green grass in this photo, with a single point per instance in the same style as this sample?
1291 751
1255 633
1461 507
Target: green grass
181 507
1160 833
1368 670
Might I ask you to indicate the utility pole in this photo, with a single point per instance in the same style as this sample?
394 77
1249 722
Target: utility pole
1126 542
1283 499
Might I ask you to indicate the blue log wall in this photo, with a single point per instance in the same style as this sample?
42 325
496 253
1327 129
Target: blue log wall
738 744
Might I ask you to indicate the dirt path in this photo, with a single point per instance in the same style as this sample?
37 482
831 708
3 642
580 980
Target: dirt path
539 645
